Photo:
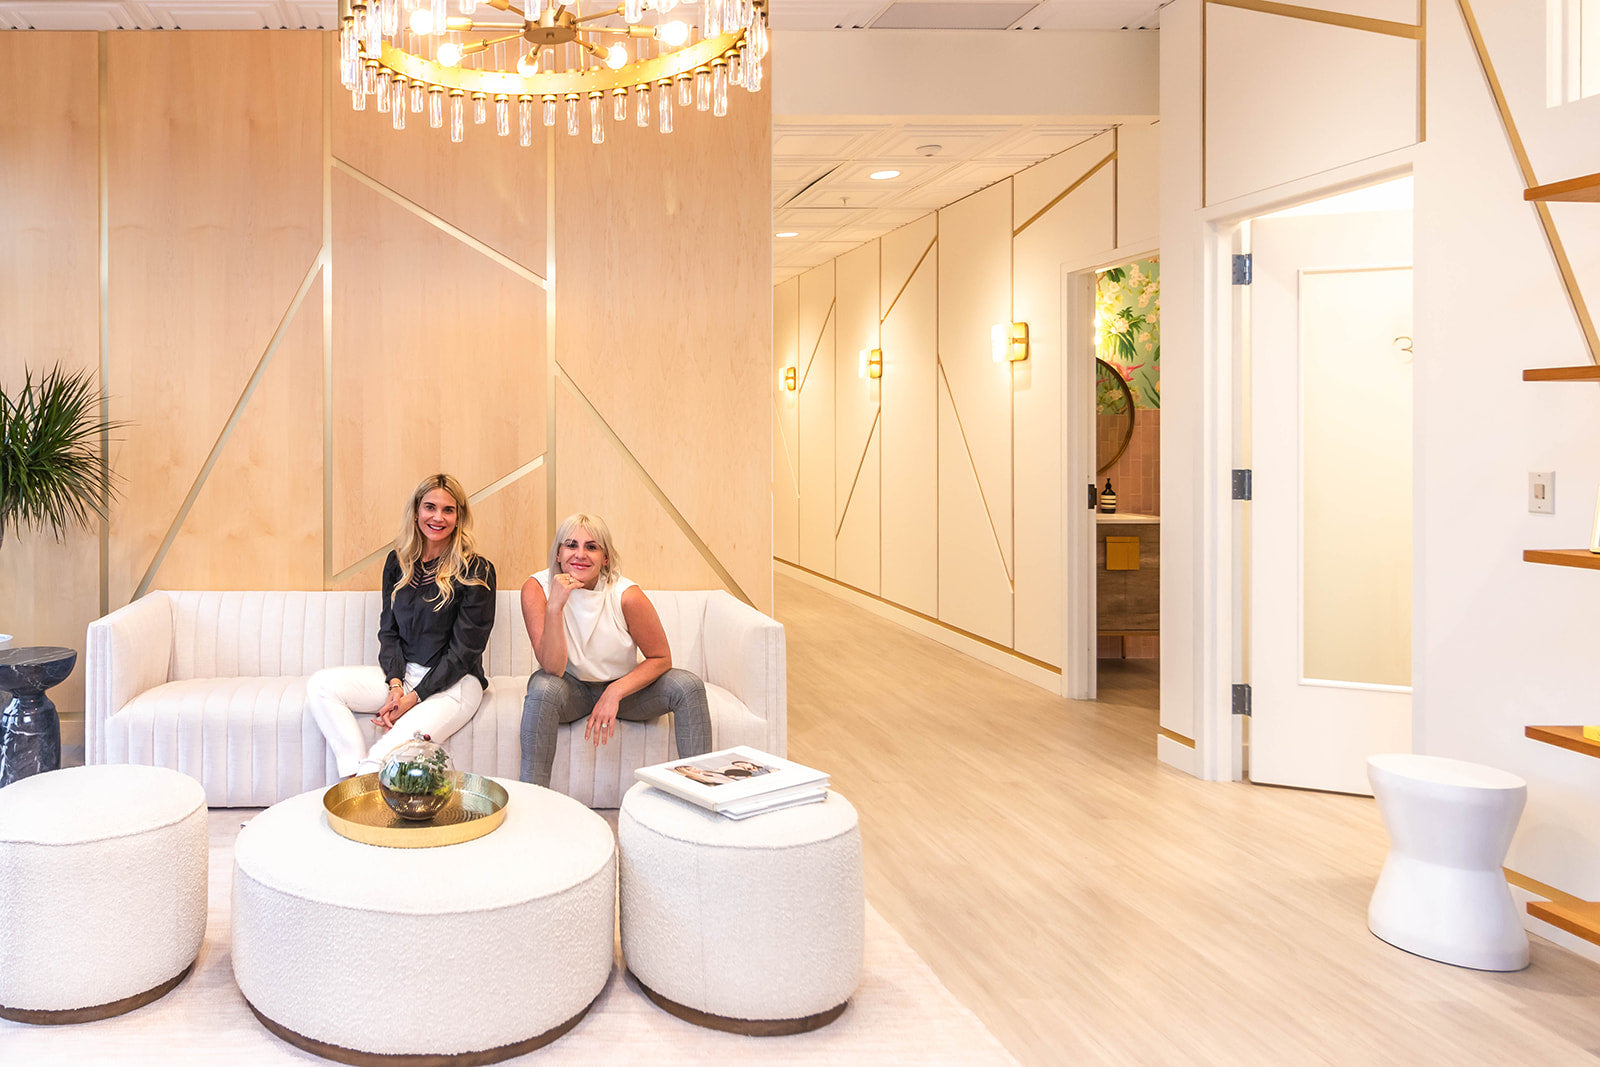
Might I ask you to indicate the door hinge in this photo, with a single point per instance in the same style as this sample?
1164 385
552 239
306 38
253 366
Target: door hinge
1094 497
1243 267
1243 484
1241 698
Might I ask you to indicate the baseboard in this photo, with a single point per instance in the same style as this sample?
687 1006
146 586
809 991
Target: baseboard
1013 663
1175 754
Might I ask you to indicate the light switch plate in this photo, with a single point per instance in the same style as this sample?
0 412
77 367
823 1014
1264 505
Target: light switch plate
1542 492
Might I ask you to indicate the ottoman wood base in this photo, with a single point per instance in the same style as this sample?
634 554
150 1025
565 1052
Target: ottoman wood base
419 1059
747 1027
42 1017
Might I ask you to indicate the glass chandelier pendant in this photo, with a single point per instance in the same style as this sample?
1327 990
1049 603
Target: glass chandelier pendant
713 18
502 115
369 78
391 17
664 108
549 111
469 7
358 97
438 17
572 115
374 26
435 107
480 109
597 120
641 106
457 114
525 120
632 11
384 79
685 91
418 92
719 90
397 110
702 90
735 68
619 105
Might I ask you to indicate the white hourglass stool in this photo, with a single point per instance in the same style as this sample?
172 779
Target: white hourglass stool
1442 893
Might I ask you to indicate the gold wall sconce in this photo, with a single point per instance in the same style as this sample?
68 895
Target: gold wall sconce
788 379
1009 345
871 363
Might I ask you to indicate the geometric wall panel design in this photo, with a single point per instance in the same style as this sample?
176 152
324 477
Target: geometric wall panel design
818 484
786 422
974 588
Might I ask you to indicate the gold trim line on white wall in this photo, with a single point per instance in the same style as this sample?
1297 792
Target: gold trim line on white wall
1063 194
440 224
233 420
909 279
860 463
972 465
1547 222
817 343
1327 18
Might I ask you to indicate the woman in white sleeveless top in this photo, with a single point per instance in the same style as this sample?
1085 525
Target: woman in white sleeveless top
602 653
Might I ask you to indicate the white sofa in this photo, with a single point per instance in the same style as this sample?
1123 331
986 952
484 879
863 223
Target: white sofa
213 684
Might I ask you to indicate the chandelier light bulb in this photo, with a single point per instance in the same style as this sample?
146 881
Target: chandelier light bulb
617 56
449 53
527 64
673 33
422 22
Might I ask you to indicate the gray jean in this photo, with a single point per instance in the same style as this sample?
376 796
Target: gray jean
553 700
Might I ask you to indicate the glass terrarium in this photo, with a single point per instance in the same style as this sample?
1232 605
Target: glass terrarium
417 778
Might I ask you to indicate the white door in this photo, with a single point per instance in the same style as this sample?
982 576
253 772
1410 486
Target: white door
1330 520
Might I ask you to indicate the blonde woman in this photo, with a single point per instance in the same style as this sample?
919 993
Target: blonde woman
438 608
602 653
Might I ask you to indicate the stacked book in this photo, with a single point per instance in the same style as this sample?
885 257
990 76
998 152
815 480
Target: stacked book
738 782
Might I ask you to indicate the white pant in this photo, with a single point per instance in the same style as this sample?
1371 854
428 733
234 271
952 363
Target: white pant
336 695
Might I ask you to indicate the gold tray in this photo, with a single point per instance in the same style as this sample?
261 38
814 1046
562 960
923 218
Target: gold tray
356 810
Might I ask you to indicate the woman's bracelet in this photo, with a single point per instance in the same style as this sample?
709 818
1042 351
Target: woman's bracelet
396 683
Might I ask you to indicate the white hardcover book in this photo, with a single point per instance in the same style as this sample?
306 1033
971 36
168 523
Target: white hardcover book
732 777
761 805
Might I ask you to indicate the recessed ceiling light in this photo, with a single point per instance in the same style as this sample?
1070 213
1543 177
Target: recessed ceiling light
789 233
883 175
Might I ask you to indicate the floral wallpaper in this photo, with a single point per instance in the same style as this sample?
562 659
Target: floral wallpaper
1127 327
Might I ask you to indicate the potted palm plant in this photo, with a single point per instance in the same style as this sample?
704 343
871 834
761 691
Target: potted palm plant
53 477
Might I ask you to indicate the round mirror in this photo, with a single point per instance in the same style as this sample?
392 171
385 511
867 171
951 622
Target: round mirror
1113 415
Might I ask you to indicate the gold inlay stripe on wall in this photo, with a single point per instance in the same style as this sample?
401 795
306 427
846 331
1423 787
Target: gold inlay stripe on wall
817 343
860 463
103 151
327 308
550 501
988 513
656 491
968 634
909 278
233 420
1568 278
440 224
472 498
1063 194
1539 889
1327 18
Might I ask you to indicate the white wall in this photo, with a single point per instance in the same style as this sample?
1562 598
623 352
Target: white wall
1499 644
943 478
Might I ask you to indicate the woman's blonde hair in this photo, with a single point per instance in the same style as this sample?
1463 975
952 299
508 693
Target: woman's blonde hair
457 555
598 530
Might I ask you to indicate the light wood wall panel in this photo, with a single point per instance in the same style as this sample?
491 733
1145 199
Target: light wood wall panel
267 480
1076 230
512 530
598 480
856 470
214 158
438 365
488 186
974 589
1279 93
49 290
786 422
910 420
663 290
817 489
975 294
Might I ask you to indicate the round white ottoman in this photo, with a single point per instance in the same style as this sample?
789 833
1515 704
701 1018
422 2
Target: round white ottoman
465 953
753 925
1442 893
102 890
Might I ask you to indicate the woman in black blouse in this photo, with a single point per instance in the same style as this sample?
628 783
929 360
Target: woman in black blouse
438 608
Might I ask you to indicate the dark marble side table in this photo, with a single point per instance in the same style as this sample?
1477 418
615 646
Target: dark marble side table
30 729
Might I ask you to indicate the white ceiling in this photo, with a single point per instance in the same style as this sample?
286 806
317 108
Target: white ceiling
786 14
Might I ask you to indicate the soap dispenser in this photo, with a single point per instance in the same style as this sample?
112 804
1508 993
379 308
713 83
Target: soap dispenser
1108 500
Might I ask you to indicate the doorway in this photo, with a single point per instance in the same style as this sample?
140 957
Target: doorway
1325 425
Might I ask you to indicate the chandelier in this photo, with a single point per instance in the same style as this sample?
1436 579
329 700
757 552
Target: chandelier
414 56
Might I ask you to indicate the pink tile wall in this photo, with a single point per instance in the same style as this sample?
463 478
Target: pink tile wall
1137 475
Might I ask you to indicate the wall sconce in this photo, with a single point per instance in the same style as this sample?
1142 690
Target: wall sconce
1009 346
871 363
788 379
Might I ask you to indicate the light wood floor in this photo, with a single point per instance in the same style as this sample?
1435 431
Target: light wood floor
1092 905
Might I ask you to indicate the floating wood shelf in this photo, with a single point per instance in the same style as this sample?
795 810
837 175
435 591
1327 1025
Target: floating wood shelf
1563 557
1581 919
1562 374
1570 737
1585 190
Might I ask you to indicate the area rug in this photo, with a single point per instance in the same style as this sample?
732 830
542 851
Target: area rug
900 1014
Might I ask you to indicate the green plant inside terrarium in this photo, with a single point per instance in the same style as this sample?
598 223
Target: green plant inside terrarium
429 774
